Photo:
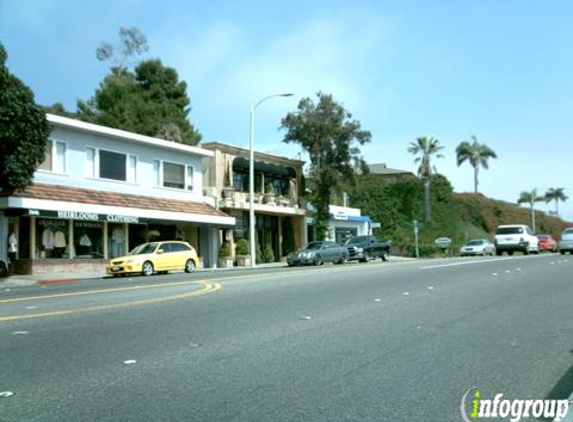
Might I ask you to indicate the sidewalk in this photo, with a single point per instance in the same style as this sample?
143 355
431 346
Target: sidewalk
69 277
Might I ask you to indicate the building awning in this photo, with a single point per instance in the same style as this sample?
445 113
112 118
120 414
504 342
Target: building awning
80 202
357 218
264 167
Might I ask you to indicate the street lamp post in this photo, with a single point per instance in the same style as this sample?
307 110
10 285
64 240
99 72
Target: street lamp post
252 174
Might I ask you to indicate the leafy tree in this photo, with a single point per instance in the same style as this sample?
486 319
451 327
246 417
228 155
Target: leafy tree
332 139
530 198
556 194
60 110
132 44
24 131
150 101
476 154
425 149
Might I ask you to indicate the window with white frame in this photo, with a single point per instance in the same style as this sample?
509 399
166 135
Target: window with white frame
55 157
172 175
104 164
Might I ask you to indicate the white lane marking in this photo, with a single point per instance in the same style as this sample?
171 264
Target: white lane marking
16 333
377 300
6 393
494 274
31 307
507 271
430 287
129 361
481 261
406 293
306 317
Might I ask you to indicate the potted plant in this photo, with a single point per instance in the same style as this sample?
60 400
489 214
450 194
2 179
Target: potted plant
269 195
268 254
225 258
242 253
285 202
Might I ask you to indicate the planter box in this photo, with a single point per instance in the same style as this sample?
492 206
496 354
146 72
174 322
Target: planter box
243 260
228 193
226 262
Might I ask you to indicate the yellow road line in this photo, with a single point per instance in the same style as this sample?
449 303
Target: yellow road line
110 290
208 288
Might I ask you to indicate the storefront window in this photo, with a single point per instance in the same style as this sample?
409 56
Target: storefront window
88 240
116 240
52 238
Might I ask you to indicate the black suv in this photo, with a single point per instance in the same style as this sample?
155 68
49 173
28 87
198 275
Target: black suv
365 248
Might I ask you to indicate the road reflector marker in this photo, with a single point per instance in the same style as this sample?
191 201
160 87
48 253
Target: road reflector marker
377 300
129 361
306 317
507 271
430 287
406 293
31 307
194 345
494 274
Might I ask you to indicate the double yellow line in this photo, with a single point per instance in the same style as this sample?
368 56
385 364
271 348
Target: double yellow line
207 288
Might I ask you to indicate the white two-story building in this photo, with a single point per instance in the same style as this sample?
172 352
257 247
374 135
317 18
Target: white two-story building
102 191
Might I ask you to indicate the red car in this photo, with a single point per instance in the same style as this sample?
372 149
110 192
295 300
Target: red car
547 243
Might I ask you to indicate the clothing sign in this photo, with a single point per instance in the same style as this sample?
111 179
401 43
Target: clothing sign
86 216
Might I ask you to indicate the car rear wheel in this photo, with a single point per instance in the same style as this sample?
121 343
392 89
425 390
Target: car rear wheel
343 259
190 266
526 250
510 253
147 268
498 253
385 256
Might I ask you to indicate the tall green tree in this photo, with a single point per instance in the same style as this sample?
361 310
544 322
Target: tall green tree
332 139
425 149
476 154
24 131
556 194
530 198
150 101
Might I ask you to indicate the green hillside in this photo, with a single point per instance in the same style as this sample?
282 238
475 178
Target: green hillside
459 216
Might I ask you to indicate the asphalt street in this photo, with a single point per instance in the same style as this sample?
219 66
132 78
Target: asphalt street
396 341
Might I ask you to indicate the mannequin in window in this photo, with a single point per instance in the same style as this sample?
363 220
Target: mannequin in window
117 242
48 242
12 250
59 244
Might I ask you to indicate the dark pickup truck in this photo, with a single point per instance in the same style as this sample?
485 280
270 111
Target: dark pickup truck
365 248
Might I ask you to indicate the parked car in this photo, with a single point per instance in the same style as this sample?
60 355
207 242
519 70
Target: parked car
566 243
547 243
317 253
477 247
515 237
148 258
365 248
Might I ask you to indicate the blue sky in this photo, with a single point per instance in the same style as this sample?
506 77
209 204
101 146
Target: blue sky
501 71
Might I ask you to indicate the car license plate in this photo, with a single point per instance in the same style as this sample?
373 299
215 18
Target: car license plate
116 268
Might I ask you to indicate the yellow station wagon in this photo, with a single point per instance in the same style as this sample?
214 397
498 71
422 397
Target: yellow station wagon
148 258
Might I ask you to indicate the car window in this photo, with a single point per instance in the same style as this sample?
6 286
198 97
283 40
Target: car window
355 240
568 231
167 247
542 237
144 249
509 230
314 245
475 242
179 247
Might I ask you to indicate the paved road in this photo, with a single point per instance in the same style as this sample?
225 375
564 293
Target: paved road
376 342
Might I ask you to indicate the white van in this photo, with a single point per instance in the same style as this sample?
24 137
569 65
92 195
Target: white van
515 237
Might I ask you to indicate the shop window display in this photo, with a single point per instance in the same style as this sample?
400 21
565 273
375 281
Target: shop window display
88 240
52 238
116 240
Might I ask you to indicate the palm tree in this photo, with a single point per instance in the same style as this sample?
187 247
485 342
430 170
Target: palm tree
477 154
530 198
425 149
556 194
